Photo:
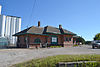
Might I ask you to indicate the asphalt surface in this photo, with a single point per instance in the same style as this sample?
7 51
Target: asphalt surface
9 57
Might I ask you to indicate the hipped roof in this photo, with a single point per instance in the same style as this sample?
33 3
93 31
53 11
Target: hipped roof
44 30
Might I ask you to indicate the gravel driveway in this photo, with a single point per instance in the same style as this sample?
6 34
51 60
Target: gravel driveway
13 56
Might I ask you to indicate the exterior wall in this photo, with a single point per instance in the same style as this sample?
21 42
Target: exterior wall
44 39
60 38
13 25
18 25
7 27
74 39
0 9
2 25
68 43
33 37
21 41
30 40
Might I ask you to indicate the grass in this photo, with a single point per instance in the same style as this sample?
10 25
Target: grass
51 61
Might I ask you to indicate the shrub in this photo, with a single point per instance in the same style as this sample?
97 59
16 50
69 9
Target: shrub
55 46
75 45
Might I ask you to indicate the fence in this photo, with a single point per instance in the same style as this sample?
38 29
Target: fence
3 42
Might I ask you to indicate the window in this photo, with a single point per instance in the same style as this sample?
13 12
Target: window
37 40
68 38
25 39
54 39
19 40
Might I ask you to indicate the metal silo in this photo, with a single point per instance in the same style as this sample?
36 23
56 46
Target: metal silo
2 25
0 9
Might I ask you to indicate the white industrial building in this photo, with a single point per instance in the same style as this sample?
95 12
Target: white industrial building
2 25
12 26
0 9
9 25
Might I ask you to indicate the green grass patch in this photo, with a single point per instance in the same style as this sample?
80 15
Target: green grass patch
51 61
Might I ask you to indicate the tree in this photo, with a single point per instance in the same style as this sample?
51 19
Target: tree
97 36
80 39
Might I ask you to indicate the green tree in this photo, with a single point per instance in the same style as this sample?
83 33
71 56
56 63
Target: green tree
97 36
80 39
88 42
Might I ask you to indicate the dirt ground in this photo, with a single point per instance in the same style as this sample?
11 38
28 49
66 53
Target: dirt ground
9 57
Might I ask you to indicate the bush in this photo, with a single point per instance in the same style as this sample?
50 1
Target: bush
75 45
55 46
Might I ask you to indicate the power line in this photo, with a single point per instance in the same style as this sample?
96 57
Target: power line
32 11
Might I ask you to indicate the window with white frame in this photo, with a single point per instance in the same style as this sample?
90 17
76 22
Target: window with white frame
54 39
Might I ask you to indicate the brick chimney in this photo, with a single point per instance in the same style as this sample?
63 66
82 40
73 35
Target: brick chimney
60 26
38 23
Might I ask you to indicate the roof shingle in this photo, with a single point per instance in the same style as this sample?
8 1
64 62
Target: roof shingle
44 30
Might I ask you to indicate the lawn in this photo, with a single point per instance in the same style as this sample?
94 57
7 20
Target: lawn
51 61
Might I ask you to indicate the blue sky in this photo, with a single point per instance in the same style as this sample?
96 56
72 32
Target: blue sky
79 16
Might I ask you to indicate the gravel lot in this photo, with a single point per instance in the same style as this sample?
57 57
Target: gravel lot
13 56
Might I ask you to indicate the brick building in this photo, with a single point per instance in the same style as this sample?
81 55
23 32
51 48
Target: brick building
36 36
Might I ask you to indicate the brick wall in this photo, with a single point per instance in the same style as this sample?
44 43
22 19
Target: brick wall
31 39
44 39
68 43
60 38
